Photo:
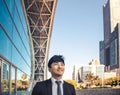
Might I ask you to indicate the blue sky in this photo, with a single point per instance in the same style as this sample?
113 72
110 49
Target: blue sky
77 30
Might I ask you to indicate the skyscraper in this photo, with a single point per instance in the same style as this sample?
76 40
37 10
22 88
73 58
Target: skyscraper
109 47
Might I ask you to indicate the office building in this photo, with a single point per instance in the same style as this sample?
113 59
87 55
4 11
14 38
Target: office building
97 70
15 52
94 67
109 47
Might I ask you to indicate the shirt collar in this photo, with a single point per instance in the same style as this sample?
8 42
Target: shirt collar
53 80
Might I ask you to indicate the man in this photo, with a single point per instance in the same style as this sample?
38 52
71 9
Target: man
56 67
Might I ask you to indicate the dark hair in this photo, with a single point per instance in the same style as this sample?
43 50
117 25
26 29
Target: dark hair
55 58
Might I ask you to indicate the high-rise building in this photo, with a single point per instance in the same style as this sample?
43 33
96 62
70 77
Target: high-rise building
25 32
109 47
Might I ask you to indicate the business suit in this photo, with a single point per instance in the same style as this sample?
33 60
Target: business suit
45 88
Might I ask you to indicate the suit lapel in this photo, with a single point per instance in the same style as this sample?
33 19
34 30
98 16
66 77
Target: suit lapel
64 89
49 87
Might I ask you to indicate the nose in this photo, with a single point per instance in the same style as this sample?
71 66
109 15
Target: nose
59 65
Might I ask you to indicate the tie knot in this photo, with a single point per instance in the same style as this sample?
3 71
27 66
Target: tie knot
58 82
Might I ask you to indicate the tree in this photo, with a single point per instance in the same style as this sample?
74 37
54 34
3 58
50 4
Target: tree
90 78
24 76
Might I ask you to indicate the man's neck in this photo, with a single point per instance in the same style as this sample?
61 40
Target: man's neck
57 78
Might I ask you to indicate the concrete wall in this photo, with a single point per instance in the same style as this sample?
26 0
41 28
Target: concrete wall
100 91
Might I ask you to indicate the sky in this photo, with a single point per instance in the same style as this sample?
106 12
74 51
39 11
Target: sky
77 30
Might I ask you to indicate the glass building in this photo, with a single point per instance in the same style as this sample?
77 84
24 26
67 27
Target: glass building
109 47
15 52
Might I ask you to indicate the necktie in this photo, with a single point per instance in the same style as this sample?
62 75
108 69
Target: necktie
58 88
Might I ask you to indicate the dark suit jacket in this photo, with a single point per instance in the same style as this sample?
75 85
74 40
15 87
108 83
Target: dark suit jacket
45 88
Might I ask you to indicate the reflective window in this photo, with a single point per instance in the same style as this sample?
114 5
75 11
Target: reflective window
14 40
113 52
14 35
102 56
5 49
5 80
13 81
11 6
18 4
18 17
22 83
19 61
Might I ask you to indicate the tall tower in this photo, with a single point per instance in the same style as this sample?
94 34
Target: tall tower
40 15
111 16
109 48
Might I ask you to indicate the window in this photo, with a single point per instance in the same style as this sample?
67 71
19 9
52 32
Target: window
6 78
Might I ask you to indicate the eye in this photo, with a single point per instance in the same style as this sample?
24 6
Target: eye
62 64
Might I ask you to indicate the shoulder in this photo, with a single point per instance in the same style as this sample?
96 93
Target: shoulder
69 88
45 82
42 84
39 88
68 84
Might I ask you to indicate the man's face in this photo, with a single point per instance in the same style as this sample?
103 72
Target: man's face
57 69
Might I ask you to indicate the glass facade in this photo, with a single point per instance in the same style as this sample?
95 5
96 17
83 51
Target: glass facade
102 50
111 20
113 52
15 52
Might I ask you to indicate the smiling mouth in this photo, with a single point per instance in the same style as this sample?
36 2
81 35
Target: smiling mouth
60 70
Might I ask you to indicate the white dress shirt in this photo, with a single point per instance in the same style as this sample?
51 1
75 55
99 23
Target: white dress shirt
54 86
